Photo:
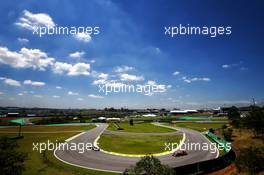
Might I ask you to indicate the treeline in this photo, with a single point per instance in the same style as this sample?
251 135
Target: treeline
253 119
53 120
250 160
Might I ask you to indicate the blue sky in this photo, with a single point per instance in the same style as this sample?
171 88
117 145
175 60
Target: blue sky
195 71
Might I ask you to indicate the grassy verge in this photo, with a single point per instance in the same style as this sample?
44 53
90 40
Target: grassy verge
45 164
198 126
136 144
141 127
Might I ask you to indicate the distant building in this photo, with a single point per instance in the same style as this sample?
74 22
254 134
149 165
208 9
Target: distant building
188 111
113 119
149 115
13 114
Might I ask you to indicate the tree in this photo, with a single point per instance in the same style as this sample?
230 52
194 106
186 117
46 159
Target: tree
149 165
255 120
250 160
11 160
227 133
131 122
234 115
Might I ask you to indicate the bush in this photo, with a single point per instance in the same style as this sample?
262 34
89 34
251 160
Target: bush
227 133
11 160
149 165
250 160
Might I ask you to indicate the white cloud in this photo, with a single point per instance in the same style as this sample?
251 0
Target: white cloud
79 69
103 76
72 70
128 77
10 82
225 66
25 58
157 50
176 73
79 99
238 65
58 87
124 68
20 94
95 96
73 93
100 81
23 40
190 80
151 82
30 20
34 83
77 54
56 96
60 67
85 37
92 61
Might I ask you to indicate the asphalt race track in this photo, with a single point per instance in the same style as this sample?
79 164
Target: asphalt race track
99 160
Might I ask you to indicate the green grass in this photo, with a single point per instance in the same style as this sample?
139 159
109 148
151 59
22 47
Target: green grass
141 127
198 126
136 144
36 164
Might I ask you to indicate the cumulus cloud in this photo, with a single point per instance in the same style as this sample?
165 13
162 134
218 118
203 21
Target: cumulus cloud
92 61
60 67
84 37
71 70
238 65
190 80
25 58
77 54
100 81
80 99
176 73
10 81
23 40
79 69
95 96
124 68
29 20
20 94
103 76
58 87
73 93
225 66
34 83
129 77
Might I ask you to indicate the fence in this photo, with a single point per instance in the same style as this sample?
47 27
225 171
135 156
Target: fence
208 165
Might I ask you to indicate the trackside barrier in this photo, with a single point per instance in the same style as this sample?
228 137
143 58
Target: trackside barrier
207 166
219 141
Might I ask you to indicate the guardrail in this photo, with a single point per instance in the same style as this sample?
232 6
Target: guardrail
220 141
208 165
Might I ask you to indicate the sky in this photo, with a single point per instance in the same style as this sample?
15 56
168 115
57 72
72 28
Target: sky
128 46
